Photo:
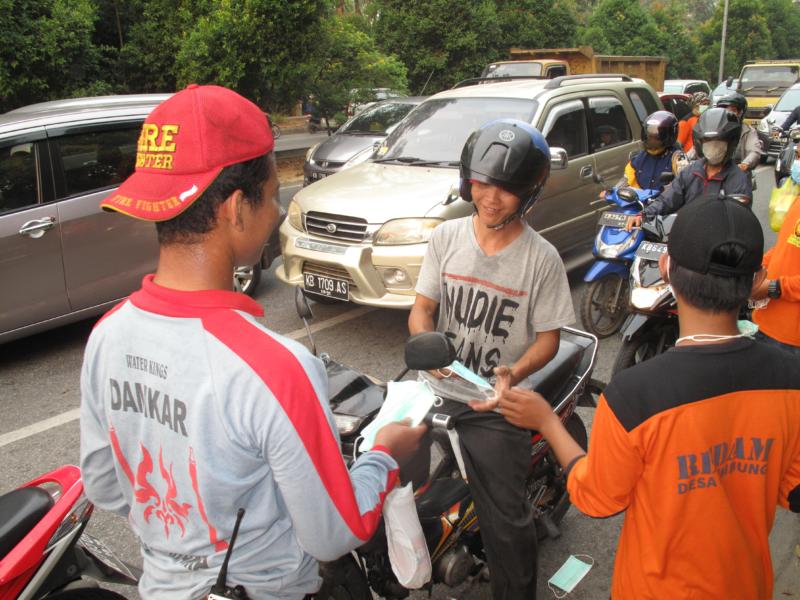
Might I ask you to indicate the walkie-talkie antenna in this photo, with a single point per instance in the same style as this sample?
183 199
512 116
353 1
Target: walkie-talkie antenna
220 587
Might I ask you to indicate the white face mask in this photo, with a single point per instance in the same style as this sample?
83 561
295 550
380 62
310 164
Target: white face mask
715 151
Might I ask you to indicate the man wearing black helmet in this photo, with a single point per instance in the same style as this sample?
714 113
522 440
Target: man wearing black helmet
716 136
749 151
500 292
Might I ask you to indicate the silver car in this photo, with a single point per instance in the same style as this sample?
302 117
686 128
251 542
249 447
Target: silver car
355 141
63 258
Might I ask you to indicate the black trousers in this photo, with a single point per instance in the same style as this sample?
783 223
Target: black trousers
496 458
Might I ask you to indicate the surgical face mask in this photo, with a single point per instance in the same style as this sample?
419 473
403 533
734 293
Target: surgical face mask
702 108
715 151
795 173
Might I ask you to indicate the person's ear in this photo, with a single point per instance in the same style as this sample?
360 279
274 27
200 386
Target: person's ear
232 209
663 266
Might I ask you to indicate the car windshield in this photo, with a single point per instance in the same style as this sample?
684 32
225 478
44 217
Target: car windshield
521 69
673 88
789 101
379 119
436 131
771 77
720 89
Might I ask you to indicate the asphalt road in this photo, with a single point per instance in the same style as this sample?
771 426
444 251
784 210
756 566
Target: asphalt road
39 397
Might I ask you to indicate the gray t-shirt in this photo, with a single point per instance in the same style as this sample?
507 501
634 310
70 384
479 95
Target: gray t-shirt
491 306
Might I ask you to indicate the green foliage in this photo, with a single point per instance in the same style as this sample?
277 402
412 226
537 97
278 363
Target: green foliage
622 27
783 18
536 24
438 40
748 38
47 50
675 40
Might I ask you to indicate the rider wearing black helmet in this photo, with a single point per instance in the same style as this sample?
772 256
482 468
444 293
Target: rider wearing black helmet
659 137
715 138
749 151
499 291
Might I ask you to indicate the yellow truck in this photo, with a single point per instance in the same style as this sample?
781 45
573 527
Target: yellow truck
763 82
554 62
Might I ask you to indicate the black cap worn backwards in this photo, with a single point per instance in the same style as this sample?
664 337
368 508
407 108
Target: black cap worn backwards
706 224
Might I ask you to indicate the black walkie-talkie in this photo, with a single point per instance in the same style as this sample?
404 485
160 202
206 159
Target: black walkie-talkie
220 590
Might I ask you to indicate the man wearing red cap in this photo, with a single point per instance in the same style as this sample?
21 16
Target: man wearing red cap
192 409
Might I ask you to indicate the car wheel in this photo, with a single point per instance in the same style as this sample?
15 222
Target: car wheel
246 279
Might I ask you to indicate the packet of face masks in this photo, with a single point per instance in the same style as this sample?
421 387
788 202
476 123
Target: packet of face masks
486 388
404 400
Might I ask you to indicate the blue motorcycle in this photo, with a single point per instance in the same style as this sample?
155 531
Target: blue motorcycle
605 299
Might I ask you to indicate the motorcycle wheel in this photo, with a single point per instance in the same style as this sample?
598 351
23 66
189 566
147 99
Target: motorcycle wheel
343 580
246 279
87 594
645 345
602 308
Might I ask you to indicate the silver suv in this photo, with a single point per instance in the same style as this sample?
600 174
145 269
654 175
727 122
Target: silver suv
361 234
63 258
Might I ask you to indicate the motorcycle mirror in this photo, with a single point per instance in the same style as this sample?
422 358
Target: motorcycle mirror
429 350
558 158
666 177
627 194
301 304
768 109
729 82
598 178
454 193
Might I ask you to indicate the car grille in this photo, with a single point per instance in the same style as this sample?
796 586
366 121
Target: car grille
334 271
336 227
775 147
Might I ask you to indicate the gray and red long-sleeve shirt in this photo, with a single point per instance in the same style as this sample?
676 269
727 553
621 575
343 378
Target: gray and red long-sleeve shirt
190 410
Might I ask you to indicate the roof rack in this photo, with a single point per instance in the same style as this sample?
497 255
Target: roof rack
557 82
497 79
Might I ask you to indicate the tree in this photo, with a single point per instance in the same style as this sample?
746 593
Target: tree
47 51
748 38
440 41
536 24
783 17
675 39
621 27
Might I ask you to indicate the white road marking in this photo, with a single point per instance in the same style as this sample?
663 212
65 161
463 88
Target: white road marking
74 414
39 427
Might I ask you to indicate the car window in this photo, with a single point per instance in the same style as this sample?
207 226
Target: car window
513 69
643 103
673 88
557 71
17 176
96 160
607 122
377 120
565 128
789 101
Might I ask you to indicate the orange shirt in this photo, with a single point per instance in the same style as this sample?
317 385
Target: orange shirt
780 319
698 446
685 132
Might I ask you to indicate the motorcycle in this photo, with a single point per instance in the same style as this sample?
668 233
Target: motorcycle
45 552
604 303
783 163
444 503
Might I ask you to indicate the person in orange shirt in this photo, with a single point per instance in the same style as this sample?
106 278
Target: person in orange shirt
779 320
698 445
698 103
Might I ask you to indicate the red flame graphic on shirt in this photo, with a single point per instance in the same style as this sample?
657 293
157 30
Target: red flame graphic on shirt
167 509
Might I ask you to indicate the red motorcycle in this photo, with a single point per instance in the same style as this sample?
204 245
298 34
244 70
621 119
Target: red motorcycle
44 550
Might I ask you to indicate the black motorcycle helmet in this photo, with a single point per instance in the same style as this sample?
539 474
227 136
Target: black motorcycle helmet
717 124
662 124
510 154
734 99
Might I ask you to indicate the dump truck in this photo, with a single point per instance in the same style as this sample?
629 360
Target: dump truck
763 82
554 62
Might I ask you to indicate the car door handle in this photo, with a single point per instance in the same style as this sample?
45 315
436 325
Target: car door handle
36 228
586 171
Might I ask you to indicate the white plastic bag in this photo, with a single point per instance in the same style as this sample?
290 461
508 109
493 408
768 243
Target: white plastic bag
408 551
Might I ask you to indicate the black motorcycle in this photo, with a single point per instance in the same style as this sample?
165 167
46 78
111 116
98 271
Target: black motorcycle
783 163
444 503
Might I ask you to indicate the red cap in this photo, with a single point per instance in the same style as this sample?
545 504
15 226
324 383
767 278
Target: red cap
185 142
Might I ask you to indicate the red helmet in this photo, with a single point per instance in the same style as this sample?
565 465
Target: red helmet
662 124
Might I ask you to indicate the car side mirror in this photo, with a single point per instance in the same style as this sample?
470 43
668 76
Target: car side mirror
301 305
729 82
454 193
666 177
429 350
558 158
768 109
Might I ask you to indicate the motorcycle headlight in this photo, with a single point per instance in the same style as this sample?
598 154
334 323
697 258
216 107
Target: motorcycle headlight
310 153
406 231
614 250
648 298
347 424
295 216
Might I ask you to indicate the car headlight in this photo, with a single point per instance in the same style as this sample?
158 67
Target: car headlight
295 216
310 153
359 158
406 231
347 424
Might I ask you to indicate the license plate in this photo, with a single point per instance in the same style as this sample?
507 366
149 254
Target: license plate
613 219
651 250
326 286
317 175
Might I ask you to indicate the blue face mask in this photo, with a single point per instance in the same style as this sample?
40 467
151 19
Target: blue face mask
796 171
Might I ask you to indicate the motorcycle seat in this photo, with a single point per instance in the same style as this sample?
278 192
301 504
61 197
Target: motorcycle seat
20 511
551 380
440 496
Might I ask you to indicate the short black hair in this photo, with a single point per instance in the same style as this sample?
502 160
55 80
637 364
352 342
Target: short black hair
714 293
201 217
